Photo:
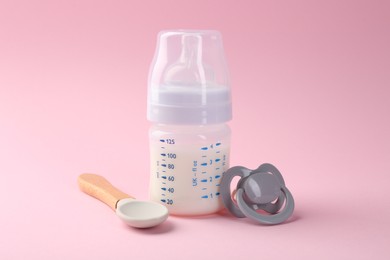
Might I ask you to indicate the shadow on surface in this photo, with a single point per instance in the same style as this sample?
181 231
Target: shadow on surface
163 228
296 216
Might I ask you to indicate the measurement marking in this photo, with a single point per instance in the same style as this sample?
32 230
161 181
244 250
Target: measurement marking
203 180
204 164
162 140
163 154
164 177
204 148
164 188
217 160
163 165
163 200
217 176
218 144
205 197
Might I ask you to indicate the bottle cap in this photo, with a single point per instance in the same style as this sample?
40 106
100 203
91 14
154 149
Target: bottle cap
188 79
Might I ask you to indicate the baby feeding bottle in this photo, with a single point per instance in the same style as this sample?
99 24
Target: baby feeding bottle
189 103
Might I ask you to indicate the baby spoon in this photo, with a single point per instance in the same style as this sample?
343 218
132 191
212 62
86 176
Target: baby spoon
135 213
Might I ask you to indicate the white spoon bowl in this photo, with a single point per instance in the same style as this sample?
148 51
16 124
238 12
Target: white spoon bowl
141 214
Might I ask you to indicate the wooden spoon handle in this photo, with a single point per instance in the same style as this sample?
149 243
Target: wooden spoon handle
98 187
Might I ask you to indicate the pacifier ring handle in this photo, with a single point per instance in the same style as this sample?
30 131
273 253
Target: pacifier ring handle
226 192
267 219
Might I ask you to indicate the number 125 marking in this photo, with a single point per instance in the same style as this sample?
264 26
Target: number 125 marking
170 141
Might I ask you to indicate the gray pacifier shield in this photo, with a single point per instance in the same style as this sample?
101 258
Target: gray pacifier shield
243 172
227 178
258 189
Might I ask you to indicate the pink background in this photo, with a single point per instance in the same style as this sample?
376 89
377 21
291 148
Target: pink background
311 93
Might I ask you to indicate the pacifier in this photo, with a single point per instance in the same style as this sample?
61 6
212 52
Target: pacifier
259 189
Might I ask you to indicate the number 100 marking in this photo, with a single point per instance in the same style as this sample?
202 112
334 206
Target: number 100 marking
171 155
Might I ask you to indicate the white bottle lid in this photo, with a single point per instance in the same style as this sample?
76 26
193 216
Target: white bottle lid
188 79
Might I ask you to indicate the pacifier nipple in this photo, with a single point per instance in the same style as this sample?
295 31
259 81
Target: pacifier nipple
260 189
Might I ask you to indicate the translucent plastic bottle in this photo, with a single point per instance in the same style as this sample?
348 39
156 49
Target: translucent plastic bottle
189 103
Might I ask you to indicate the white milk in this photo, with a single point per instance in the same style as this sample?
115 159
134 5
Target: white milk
185 176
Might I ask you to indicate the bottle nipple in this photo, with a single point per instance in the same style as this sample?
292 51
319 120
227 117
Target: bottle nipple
189 68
